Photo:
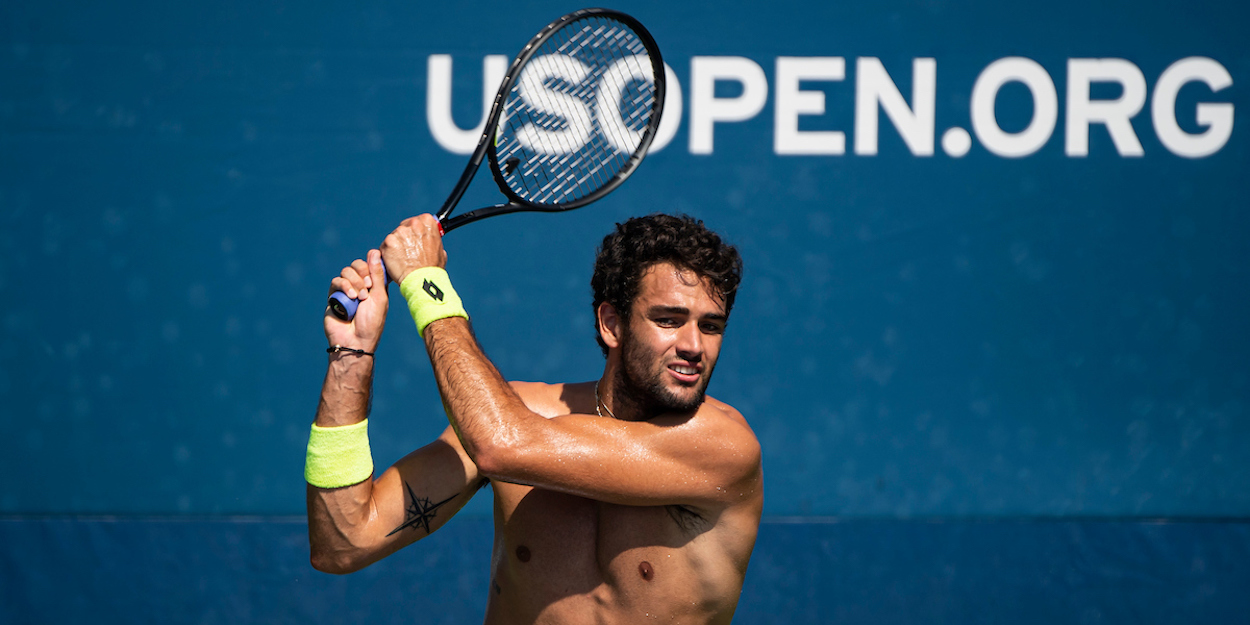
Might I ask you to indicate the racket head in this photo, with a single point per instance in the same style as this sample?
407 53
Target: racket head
573 118
574 115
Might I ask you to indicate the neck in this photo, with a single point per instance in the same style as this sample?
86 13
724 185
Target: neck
615 396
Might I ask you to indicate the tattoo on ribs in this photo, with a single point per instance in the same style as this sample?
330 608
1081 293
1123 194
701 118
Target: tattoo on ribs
419 512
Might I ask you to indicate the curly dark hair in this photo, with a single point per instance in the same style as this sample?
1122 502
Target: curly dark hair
641 242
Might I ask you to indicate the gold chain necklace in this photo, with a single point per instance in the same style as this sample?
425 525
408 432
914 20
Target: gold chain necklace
599 402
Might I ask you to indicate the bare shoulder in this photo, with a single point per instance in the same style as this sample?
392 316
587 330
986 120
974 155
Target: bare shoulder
718 409
730 429
726 421
550 400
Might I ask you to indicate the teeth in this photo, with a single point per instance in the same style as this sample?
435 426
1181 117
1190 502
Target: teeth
686 370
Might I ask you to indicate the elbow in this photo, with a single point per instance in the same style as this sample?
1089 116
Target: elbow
491 461
335 563
499 460
502 452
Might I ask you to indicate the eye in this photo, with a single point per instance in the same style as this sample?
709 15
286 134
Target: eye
666 322
712 328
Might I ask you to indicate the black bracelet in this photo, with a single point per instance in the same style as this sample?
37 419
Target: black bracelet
339 348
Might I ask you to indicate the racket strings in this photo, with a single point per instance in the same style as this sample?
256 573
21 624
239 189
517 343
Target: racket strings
575 118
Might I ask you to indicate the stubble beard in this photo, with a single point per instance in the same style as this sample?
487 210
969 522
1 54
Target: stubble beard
640 383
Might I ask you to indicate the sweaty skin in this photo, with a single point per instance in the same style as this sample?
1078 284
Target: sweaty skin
561 557
598 519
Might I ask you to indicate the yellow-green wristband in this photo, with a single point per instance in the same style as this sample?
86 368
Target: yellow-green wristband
338 456
430 297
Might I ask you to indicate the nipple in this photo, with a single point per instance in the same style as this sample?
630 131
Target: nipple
523 553
645 570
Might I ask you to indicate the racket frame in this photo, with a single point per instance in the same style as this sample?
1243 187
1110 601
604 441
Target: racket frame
344 307
486 145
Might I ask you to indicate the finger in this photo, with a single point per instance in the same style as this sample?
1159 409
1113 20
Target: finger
354 279
361 267
342 285
377 272
362 278
348 276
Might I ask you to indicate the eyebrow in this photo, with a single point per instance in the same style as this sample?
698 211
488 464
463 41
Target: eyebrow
682 310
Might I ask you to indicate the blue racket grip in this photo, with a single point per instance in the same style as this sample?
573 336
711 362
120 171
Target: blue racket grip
344 307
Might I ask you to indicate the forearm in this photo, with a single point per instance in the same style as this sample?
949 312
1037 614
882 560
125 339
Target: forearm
346 390
488 416
341 535
338 518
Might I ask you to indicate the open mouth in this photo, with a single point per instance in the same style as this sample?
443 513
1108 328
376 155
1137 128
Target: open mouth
685 373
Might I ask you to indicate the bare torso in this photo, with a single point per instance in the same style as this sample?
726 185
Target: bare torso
597 520
560 558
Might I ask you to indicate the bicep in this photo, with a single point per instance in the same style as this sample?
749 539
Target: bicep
418 494
427 487
680 461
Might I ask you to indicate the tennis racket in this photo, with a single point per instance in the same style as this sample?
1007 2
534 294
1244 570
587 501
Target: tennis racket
572 120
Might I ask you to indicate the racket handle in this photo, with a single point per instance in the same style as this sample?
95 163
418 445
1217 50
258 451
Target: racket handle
344 307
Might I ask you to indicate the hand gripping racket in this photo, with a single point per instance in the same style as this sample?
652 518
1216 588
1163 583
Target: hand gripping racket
572 120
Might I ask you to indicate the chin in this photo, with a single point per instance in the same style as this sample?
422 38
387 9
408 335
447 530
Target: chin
691 398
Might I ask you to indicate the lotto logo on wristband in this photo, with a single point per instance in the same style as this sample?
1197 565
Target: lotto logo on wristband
432 290
440 302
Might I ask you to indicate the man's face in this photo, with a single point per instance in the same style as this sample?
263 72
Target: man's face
671 341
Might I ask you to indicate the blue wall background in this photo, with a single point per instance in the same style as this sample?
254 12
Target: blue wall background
977 339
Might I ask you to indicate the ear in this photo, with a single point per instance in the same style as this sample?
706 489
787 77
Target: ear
609 325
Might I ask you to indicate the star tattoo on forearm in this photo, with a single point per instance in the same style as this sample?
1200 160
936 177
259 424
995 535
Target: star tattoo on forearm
419 512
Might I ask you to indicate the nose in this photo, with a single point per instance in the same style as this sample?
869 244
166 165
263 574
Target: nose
690 343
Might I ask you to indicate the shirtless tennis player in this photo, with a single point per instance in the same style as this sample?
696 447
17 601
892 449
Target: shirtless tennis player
629 498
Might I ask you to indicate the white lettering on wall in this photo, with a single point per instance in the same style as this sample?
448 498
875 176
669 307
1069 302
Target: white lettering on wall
572 110
874 91
706 109
791 102
1115 114
1217 118
670 117
608 102
1045 107
874 88
438 101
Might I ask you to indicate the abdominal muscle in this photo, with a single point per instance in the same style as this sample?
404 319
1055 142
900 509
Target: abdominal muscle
565 559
